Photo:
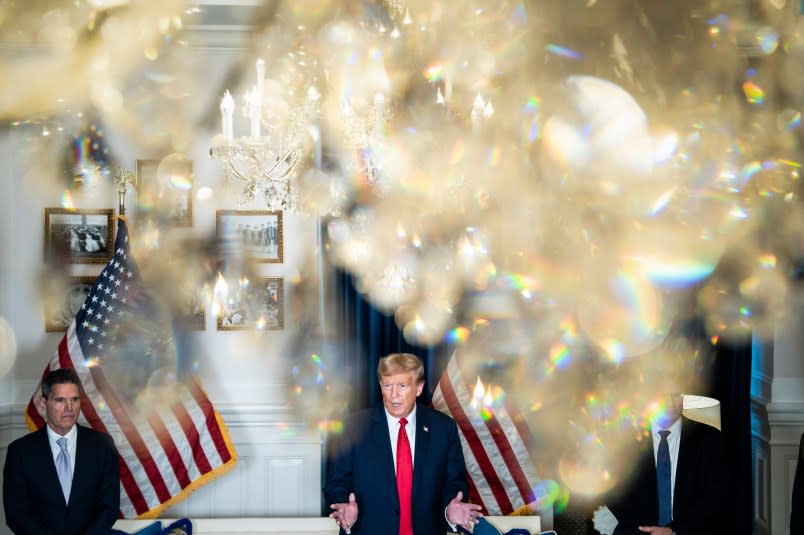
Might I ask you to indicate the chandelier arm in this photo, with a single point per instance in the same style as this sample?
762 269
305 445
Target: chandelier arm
231 169
289 159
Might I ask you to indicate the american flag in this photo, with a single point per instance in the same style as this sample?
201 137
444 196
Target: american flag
495 441
118 344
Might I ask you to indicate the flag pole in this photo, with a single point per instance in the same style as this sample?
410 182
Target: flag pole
123 178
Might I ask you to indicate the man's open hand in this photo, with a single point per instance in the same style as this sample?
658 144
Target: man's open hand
345 514
463 514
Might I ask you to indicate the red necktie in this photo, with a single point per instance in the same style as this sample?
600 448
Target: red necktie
404 479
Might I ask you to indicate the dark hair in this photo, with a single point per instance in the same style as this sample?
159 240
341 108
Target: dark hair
59 377
401 363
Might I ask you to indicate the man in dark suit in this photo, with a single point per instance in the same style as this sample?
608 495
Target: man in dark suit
67 487
371 468
696 487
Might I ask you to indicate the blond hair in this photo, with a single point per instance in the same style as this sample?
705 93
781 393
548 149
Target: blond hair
401 363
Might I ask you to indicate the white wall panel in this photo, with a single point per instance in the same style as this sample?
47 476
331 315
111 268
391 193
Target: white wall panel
285 477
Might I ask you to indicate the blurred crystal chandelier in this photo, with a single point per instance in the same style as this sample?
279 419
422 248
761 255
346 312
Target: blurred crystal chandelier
365 133
267 160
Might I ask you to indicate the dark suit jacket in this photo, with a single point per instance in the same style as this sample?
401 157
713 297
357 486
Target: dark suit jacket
362 463
700 486
32 496
797 503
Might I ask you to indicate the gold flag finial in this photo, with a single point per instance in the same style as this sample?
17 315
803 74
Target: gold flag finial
123 178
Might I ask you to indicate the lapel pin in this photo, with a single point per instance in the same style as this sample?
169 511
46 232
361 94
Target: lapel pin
425 429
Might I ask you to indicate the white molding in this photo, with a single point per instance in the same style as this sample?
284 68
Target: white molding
235 415
786 414
247 415
762 488
788 389
783 459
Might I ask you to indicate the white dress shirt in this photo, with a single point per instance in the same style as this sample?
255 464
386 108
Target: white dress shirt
410 429
673 442
71 436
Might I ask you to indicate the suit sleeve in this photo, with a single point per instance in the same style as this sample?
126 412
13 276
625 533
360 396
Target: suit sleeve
630 501
20 515
339 480
706 516
108 489
456 468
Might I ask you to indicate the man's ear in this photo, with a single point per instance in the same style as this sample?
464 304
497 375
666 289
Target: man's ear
419 389
42 403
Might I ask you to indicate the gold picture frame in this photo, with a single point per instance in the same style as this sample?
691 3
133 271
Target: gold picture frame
80 236
257 233
168 205
257 304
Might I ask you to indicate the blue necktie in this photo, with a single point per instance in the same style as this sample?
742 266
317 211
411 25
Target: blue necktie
63 468
663 480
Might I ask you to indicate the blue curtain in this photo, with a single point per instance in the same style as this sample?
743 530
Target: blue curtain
731 384
369 335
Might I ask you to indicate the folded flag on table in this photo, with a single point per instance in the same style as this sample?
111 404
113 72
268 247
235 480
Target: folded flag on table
182 526
502 476
168 435
484 527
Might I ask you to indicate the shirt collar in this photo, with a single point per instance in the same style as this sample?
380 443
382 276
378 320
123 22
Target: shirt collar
411 418
675 428
70 436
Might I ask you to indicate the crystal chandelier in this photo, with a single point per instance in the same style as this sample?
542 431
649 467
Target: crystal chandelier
267 160
365 133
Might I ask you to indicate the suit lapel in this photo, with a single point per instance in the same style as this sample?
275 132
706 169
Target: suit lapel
647 475
686 455
82 459
382 442
422 445
52 483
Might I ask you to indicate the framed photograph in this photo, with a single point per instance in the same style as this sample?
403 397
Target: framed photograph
196 310
255 232
257 304
78 236
61 311
169 200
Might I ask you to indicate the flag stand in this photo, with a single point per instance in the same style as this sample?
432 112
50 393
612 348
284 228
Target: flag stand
123 178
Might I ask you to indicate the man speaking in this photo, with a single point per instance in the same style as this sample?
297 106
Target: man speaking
400 468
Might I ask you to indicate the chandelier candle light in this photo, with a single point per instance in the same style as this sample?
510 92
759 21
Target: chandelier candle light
267 164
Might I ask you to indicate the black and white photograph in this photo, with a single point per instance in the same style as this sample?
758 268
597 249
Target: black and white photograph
165 194
258 233
78 236
60 310
253 305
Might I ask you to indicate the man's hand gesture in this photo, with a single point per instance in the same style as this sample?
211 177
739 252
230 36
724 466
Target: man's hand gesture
463 514
345 514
